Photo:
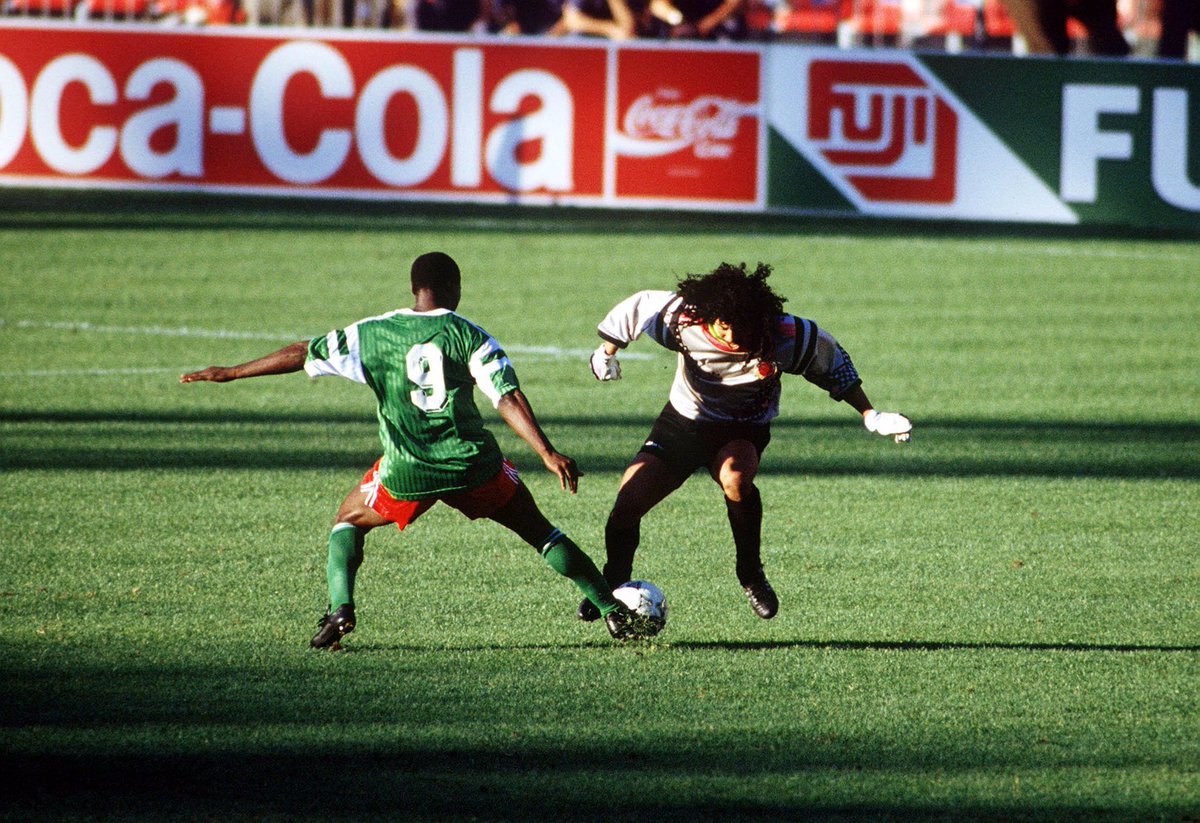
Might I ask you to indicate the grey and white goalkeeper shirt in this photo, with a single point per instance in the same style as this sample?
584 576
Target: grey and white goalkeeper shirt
715 383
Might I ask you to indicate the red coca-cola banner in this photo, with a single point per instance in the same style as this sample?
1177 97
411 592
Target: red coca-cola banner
379 116
687 125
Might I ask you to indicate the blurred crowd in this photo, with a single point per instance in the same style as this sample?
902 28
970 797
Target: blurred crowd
1111 28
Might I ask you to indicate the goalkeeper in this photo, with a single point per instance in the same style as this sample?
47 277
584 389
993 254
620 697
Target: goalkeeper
734 342
423 365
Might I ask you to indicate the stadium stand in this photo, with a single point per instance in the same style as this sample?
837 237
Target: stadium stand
116 9
949 25
812 19
39 8
873 23
957 24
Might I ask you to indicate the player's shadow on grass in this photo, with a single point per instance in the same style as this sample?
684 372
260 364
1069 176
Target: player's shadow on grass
280 439
667 645
927 646
130 738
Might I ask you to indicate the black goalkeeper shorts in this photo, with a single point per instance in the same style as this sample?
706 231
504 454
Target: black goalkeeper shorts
686 445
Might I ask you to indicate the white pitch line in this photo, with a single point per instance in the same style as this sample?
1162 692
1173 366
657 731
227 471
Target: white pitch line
151 330
90 372
528 352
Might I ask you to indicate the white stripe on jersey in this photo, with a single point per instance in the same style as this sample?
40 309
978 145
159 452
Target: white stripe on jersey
482 372
348 365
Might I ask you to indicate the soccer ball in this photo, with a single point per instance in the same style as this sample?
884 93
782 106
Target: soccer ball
648 604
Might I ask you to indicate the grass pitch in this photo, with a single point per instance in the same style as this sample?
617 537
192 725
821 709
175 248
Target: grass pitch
1000 621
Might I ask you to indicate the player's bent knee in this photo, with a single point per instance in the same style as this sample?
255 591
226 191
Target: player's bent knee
737 486
359 521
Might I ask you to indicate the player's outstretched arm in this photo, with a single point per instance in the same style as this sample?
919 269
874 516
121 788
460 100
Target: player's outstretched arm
885 424
288 359
514 408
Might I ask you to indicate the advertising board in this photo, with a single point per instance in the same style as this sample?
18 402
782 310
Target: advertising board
372 116
776 128
899 134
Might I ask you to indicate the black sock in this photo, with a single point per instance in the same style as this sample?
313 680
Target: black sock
620 545
745 519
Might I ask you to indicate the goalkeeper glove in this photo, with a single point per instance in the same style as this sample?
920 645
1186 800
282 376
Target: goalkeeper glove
605 365
888 424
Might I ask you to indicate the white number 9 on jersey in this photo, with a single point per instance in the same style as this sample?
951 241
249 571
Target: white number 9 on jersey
425 369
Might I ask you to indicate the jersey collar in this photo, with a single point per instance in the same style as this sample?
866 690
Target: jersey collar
430 313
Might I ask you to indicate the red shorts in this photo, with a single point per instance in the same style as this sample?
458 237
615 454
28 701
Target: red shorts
481 501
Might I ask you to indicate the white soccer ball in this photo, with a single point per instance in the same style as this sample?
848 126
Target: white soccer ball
648 604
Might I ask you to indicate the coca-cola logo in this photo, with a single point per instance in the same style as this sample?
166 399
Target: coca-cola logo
663 123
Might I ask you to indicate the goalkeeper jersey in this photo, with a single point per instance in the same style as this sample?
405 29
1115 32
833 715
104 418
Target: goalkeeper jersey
423 368
715 383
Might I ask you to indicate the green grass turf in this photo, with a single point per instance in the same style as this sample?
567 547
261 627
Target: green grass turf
1000 621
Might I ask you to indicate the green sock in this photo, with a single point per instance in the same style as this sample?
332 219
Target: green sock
562 555
345 556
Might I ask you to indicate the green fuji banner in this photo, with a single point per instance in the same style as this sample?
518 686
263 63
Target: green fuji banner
895 134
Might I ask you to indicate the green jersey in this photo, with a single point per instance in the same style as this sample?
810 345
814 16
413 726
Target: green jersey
423 368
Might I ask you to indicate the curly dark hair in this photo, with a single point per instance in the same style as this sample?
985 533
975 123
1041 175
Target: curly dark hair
740 298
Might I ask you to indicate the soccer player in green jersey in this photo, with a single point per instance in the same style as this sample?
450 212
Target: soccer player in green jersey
423 365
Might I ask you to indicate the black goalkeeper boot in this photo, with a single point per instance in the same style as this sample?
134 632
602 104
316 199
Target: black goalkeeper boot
762 598
333 626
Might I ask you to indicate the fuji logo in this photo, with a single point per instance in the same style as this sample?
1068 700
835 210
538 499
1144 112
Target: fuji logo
884 129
